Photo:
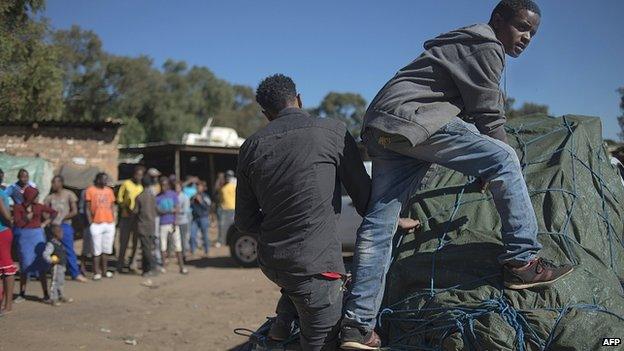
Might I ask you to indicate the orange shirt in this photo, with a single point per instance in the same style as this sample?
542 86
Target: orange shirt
101 203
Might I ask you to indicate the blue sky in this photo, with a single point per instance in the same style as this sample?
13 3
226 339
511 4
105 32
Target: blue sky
574 64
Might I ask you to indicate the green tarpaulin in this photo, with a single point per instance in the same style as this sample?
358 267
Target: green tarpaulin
444 288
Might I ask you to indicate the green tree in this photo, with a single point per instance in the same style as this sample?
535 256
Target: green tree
527 108
244 115
346 107
85 92
30 82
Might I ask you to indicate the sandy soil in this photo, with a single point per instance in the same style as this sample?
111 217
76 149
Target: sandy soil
197 311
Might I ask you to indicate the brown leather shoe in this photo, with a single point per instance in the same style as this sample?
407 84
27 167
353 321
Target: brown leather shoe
538 272
352 338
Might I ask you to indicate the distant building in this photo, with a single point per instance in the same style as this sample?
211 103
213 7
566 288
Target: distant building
76 145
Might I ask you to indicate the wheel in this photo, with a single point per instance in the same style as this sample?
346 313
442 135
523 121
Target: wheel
243 248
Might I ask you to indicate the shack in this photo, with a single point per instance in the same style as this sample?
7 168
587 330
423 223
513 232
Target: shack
70 147
182 160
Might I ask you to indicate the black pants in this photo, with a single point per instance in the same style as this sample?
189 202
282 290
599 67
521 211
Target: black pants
317 301
127 230
147 261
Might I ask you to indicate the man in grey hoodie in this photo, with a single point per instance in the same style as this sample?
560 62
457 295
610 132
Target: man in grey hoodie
446 108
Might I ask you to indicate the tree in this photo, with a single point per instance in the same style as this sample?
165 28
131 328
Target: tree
621 118
30 83
346 107
244 114
85 92
527 108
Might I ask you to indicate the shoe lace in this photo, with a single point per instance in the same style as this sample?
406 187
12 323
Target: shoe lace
542 264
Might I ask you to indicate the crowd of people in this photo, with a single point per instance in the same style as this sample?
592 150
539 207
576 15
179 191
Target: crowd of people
168 219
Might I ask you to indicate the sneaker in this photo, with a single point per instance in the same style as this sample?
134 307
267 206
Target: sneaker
97 276
109 274
54 303
19 299
352 338
281 329
183 271
162 270
66 299
538 272
217 245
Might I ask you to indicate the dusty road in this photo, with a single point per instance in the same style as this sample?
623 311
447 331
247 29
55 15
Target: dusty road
193 312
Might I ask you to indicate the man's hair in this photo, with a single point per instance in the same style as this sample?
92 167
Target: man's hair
59 177
99 177
275 92
138 168
507 9
22 170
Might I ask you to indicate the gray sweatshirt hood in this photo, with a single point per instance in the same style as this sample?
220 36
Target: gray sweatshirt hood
477 33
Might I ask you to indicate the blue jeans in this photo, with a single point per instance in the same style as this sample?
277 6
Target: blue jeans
227 219
399 168
68 244
203 224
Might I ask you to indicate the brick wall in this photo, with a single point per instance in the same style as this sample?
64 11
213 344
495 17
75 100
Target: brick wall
97 146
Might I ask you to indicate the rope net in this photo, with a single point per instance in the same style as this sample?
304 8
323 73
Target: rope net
444 288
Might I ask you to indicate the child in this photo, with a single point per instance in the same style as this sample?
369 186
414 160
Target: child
168 206
55 255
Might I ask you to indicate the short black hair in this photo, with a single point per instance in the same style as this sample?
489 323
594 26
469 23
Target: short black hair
507 9
99 176
59 177
275 92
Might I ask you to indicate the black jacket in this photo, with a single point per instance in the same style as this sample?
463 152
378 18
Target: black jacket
289 191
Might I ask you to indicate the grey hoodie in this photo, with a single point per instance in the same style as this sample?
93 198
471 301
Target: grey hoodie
458 74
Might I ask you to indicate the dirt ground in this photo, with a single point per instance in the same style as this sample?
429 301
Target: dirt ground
192 312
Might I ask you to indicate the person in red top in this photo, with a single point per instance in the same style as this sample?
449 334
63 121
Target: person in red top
30 217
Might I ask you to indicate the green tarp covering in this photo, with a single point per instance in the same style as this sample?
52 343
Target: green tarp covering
39 170
444 288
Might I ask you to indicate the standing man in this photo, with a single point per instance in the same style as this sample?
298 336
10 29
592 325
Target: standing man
100 210
145 210
227 195
289 192
126 199
420 117
65 203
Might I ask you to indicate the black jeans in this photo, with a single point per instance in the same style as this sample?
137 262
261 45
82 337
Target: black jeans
127 231
147 261
317 301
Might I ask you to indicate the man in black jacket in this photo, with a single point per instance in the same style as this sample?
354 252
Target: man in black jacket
289 192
